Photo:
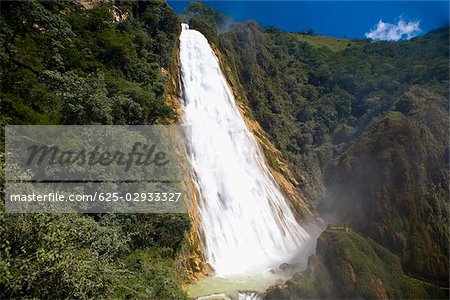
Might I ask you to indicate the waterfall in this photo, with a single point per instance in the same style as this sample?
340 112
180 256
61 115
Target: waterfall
247 225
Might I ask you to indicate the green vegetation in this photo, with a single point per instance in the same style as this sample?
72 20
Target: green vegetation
217 21
392 183
319 41
335 44
87 256
349 266
314 102
206 20
63 64
363 125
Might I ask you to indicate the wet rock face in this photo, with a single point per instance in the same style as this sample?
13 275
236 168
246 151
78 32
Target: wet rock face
199 266
220 172
298 276
284 268
276 271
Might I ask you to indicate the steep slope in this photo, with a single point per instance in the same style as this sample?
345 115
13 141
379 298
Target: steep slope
377 112
315 101
348 266
247 224
392 183
63 64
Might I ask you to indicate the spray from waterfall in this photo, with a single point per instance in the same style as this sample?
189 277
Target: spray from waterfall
247 225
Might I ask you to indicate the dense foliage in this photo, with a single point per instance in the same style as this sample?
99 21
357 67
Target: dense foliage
315 101
216 21
52 256
392 184
349 266
64 64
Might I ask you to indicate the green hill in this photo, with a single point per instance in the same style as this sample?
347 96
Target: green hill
335 44
348 266
392 183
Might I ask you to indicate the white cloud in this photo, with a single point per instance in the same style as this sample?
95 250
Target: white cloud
394 32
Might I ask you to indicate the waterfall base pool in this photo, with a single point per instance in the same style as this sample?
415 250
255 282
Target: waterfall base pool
230 287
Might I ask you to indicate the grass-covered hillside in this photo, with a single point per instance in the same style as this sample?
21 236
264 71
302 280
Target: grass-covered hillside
315 101
319 41
349 266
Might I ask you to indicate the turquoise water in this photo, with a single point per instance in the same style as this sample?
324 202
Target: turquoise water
231 286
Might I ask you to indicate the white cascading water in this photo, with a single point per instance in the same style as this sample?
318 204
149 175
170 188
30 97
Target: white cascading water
247 225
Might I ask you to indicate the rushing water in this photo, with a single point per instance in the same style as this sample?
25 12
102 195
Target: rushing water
247 225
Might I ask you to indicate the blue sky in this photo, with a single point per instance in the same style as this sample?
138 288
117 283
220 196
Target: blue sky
353 19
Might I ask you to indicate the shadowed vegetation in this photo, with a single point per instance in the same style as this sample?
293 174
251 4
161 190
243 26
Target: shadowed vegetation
63 64
349 266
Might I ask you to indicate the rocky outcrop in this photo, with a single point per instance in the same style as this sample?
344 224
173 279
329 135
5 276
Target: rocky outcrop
348 266
119 14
